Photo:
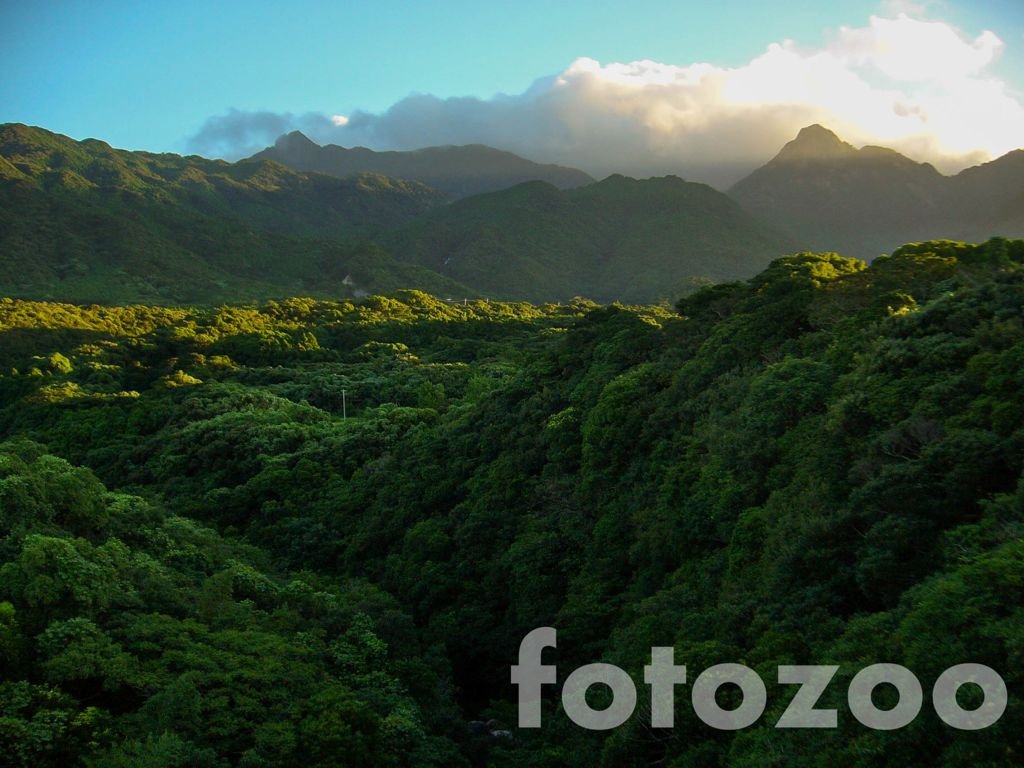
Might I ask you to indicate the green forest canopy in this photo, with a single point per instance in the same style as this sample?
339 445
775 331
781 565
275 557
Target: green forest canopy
314 532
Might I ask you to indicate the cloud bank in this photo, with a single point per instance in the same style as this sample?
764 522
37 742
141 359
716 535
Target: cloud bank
921 87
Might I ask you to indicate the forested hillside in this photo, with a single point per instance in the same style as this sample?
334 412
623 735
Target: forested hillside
314 532
621 239
80 221
83 222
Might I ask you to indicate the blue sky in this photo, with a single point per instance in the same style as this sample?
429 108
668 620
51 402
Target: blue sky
149 75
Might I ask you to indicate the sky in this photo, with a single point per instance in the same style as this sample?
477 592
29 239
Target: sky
706 90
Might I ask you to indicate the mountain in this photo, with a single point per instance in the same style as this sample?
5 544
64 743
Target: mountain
458 171
83 221
829 195
619 239
990 197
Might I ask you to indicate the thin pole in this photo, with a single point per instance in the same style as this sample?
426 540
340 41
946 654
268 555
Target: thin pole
344 406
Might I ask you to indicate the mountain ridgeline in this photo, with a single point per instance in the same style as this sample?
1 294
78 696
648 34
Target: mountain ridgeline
82 221
828 195
458 171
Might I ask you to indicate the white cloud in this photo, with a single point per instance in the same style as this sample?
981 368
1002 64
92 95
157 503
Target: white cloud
912 50
918 86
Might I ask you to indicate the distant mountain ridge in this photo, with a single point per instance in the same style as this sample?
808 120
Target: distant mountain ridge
617 240
458 171
828 195
81 221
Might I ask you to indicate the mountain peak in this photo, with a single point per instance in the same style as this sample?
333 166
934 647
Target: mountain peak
295 140
816 130
815 142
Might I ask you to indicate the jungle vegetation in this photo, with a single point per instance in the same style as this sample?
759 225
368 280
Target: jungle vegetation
313 532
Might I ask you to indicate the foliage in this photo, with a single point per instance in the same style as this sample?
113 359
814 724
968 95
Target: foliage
81 221
314 532
618 240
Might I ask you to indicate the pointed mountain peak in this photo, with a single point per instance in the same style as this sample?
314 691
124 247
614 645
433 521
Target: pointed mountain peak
295 140
815 142
817 132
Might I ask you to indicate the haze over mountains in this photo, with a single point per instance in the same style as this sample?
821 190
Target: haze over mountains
85 222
